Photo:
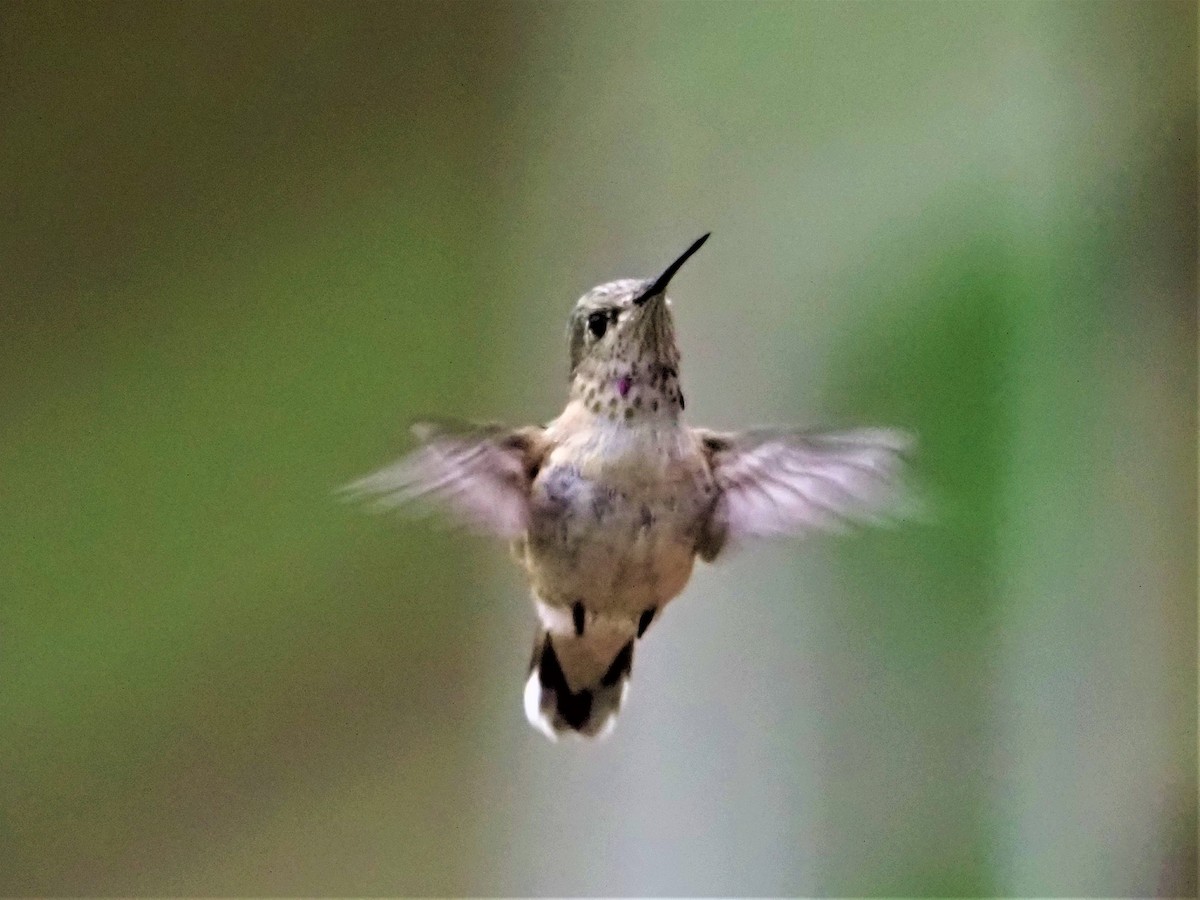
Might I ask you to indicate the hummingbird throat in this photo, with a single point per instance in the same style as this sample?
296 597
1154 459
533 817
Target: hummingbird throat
644 390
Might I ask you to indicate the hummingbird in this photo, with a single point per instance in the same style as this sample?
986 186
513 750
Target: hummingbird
608 506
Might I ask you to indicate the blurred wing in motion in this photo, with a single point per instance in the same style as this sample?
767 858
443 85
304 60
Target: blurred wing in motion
479 474
777 482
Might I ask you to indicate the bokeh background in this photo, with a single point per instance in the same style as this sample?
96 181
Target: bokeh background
245 243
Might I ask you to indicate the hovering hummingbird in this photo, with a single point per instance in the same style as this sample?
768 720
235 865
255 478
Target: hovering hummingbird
608 506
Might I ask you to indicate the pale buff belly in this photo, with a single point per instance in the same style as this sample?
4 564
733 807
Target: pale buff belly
615 549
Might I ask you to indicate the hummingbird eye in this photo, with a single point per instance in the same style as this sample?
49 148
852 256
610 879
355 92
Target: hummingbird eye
598 323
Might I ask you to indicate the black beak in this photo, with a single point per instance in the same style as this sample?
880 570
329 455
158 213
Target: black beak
661 282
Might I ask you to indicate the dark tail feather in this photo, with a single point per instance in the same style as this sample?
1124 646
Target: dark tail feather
576 683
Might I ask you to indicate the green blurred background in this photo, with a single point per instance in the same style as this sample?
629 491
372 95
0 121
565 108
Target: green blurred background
246 243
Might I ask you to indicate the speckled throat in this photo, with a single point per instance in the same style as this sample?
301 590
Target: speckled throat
637 378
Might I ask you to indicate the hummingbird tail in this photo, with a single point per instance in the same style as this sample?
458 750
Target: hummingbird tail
577 681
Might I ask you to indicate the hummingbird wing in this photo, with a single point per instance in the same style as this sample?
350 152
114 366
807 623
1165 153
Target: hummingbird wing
773 482
479 474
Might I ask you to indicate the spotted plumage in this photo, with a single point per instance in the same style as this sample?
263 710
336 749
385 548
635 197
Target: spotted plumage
609 505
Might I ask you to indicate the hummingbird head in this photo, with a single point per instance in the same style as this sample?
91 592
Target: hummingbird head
624 360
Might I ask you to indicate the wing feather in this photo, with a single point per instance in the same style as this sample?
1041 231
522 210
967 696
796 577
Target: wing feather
775 482
480 475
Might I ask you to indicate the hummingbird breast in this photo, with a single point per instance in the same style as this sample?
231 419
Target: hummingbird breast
616 512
